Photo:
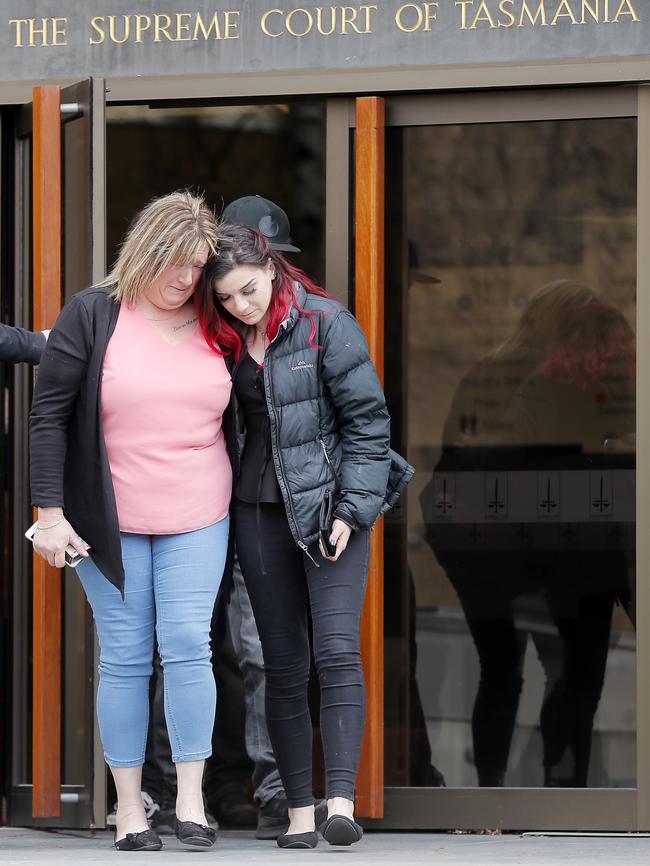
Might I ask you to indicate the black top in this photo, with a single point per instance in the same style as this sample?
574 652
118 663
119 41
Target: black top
257 480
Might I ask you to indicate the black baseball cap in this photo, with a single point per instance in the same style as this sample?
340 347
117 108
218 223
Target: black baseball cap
265 216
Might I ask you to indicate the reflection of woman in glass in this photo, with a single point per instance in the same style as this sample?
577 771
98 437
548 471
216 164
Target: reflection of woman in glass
483 432
581 397
479 414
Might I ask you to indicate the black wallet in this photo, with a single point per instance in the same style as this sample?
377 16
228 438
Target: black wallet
325 523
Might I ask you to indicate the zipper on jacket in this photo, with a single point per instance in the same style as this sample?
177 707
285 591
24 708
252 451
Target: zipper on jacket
327 457
335 474
271 409
304 548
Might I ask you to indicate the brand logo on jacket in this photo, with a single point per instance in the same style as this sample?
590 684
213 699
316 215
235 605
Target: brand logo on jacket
302 365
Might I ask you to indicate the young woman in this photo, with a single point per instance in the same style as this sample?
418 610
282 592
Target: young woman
128 454
308 400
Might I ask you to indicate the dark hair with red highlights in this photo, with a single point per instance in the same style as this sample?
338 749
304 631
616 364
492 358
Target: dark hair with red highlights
594 343
241 245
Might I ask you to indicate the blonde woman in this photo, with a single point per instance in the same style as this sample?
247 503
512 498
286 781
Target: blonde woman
128 454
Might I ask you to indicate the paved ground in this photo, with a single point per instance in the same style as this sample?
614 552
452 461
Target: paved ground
45 848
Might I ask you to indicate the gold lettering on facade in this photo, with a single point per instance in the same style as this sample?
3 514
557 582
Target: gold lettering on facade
626 5
97 23
368 10
142 23
302 21
18 37
290 26
542 13
58 32
200 25
482 14
349 16
231 25
591 9
181 27
510 18
265 18
47 33
568 13
325 20
408 8
463 12
37 33
112 31
161 24
425 13
319 21
176 27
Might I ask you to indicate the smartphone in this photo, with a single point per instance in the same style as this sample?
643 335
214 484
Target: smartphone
72 558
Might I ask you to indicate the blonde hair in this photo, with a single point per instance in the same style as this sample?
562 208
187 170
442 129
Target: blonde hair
538 329
167 232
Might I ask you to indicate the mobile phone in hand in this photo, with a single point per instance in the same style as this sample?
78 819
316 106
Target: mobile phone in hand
72 558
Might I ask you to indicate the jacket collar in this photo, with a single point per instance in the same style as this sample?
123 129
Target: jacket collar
294 314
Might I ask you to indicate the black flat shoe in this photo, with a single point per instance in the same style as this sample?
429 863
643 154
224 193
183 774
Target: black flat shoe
298 840
341 830
190 833
146 840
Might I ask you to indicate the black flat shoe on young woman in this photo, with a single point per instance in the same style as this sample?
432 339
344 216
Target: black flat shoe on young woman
298 840
341 830
146 840
190 833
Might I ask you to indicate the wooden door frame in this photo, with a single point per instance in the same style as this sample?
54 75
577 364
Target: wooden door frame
46 688
369 309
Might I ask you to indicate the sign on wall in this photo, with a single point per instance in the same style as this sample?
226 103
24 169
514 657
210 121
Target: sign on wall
66 38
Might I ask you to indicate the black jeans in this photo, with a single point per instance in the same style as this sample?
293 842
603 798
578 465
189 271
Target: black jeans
284 585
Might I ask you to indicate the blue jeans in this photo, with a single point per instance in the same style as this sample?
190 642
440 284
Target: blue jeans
171 586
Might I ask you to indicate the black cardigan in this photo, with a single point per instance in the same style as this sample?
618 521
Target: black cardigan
69 463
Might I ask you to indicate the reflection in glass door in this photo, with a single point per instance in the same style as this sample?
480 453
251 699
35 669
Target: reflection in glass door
510 359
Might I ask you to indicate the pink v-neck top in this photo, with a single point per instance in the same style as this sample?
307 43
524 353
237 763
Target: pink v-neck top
162 407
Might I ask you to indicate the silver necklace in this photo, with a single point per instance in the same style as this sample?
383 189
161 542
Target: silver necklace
262 335
149 319
171 318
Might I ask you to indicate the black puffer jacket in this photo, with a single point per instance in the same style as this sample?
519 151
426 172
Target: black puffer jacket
330 428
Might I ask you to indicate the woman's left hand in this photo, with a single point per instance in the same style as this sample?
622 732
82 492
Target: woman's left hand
339 535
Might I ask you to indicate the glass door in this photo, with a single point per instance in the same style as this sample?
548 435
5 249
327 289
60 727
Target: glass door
511 275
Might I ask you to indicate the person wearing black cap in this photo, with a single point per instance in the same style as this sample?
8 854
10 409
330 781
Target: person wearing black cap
273 819
266 217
